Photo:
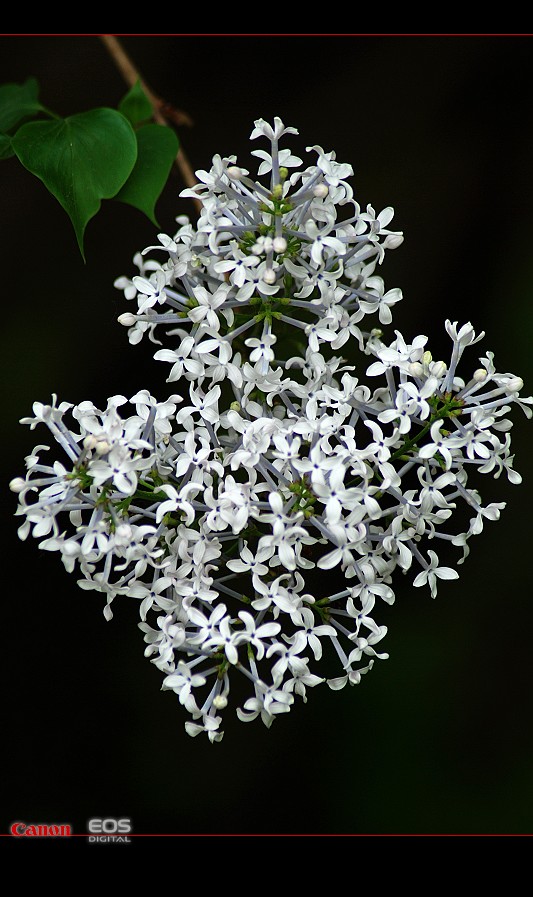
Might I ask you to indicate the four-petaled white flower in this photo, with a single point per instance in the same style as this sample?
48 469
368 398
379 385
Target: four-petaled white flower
433 572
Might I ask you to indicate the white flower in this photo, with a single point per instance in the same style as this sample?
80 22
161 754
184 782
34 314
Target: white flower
202 404
119 467
262 349
286 160
152 290
207 626
207 305
321 242
312 632
181 360
226 639
182 682
286 531
263 129
237 265
250 563
432 572
376 299
255 635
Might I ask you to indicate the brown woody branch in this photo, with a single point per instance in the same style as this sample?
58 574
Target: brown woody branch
163 111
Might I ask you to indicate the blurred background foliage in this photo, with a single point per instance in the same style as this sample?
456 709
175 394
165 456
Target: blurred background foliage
437 739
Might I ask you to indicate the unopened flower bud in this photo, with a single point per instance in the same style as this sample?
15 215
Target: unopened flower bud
416 369
279 244
427 357
89 442
480 375
220 702
392 241
123 532
102 447
17 485
269 276
127 319
438 369
321 191
234 172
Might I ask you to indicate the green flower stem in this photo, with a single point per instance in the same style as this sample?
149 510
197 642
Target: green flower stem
451 408
411 443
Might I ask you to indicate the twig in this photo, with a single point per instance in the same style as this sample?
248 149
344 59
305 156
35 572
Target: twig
162 111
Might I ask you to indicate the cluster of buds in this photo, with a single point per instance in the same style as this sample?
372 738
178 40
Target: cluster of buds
260 513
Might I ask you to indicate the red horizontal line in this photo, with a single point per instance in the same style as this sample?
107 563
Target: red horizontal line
277 835
287 34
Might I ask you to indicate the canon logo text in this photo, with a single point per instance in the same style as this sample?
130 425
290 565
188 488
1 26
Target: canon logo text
21 829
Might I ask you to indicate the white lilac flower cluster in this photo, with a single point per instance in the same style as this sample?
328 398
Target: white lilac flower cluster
258 516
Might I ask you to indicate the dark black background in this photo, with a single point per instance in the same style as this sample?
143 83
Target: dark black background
439 738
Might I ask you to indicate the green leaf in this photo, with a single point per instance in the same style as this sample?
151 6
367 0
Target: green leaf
17 102
136 106
6 150
157 148
81 159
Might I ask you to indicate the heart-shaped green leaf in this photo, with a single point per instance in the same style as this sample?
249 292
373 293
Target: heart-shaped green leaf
81 159
17 102
135 105
157 149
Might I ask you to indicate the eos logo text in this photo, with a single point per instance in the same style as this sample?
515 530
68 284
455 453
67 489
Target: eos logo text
109 830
